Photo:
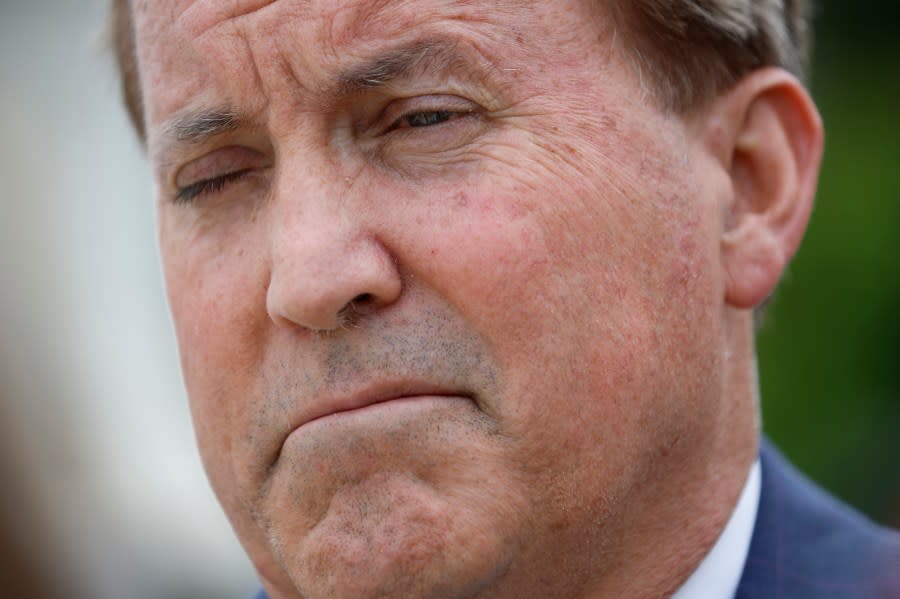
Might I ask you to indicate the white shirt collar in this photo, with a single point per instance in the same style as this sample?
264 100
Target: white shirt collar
719 573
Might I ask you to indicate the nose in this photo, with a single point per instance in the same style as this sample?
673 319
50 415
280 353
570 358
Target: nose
327 266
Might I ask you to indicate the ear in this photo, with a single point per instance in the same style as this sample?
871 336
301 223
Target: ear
767 135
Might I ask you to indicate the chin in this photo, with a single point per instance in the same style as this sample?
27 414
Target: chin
392 536
419 507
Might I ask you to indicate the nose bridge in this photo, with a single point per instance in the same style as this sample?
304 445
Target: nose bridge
325 255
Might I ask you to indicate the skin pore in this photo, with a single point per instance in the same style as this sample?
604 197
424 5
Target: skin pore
451 295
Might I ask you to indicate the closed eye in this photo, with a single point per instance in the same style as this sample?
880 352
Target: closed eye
213 173
188 193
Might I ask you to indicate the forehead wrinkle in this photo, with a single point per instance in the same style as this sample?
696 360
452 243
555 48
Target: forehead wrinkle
367 21
359 18
433 54
202 16
447 39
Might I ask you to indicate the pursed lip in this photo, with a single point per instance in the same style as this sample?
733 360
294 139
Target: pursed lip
370 395
373 395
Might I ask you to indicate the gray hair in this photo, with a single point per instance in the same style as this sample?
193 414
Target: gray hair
691 50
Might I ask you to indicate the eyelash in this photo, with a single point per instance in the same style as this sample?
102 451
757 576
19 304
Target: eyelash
188 193
443 116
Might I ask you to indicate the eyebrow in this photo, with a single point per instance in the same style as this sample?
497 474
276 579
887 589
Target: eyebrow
195 127
430 55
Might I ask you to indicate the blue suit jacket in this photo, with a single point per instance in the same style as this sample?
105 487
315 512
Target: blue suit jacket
807 545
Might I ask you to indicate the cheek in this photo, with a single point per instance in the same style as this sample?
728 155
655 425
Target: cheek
217 298
215 308
484 251
602 281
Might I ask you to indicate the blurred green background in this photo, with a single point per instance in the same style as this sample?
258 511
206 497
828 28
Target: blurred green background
829 351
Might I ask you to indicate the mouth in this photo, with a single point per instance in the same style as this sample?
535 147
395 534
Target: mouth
384 406
373 405
381 399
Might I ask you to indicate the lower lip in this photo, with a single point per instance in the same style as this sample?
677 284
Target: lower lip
386 409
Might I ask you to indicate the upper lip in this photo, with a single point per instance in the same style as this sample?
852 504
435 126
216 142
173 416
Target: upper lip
366 396
371 395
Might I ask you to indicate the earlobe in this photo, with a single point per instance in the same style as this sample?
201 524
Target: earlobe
771 150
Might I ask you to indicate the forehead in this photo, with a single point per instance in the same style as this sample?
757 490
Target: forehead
187 48
350 16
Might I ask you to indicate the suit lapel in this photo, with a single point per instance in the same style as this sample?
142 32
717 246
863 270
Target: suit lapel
807 545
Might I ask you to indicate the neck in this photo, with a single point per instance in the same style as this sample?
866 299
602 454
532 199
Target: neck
689 498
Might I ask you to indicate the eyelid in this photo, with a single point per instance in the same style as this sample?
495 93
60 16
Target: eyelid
185 195
219 163
397 109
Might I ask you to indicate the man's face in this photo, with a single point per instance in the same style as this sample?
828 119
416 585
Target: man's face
445 282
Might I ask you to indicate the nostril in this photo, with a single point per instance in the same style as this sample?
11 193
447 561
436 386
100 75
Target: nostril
350 314
363 298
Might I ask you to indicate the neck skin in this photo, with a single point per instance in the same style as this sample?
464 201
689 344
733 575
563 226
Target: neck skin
669 529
